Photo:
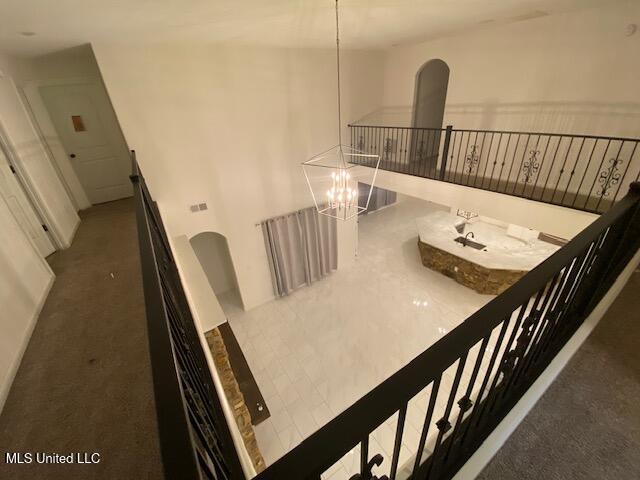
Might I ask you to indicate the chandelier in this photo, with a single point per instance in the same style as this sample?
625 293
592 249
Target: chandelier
341 178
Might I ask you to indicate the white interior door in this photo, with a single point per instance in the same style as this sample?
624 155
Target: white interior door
21 208
88 129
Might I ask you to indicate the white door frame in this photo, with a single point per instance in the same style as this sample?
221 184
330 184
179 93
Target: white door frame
50 136
25 183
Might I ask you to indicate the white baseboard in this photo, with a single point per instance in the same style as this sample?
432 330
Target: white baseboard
13 369
499 436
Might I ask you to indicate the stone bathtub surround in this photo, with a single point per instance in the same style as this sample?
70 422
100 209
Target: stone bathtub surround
489 271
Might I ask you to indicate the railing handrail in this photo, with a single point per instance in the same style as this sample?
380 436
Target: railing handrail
189 412
399 128
579 171
327 445
512 132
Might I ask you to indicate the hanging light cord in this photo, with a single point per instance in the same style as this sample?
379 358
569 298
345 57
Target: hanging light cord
338 69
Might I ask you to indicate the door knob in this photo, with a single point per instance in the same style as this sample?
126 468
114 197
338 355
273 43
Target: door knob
73 155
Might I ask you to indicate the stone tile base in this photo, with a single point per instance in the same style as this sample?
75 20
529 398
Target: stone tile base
481 279
234 397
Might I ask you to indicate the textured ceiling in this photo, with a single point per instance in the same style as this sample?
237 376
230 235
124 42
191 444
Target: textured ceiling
284 23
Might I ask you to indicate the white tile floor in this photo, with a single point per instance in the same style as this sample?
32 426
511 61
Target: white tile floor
318 350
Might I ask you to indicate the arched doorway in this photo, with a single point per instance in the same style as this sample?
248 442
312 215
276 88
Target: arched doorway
429 101
430 96
212 251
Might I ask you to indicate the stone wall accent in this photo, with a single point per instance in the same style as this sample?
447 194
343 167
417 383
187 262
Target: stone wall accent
481 279
234 397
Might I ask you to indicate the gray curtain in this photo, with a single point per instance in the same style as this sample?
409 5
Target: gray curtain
301 248
379 197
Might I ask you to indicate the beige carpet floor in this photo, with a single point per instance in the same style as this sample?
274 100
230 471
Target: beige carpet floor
587 424
84 384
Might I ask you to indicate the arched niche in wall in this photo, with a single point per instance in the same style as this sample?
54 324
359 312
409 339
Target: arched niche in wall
212 251
429 100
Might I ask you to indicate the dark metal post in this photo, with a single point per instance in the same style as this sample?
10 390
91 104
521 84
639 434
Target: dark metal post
445 151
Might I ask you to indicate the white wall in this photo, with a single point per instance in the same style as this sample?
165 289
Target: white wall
213 254
574 73
33 159
552 219
230 126
205 308
25 279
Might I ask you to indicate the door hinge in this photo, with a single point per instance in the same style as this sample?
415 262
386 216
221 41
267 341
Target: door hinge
13 170
44 227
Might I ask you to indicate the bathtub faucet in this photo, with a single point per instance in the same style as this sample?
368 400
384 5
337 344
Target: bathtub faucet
466 238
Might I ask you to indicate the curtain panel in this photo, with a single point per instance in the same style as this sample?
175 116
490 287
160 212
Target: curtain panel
302 247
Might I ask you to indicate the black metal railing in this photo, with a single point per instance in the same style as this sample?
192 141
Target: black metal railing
459 389
473 376
583 172
195 440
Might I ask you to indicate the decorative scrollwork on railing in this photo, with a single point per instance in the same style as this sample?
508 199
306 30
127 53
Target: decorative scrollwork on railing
471 160
531 166
375 461
361 142
389 147
420 151
609 177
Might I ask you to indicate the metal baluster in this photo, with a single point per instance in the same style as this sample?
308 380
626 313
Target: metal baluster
475 142
586 170
503 363
394 148
427 423
544 155
450 163
524 154
487 376
458 157
564 162
504 158
578 268
465 403
420 167
553 164
402 415
623 176
475 178
431 164
532 166
522 343
443 424
573 171
405 140
549 313
610 176
433 158
527 355
364 456
513 161
595 179
486 164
